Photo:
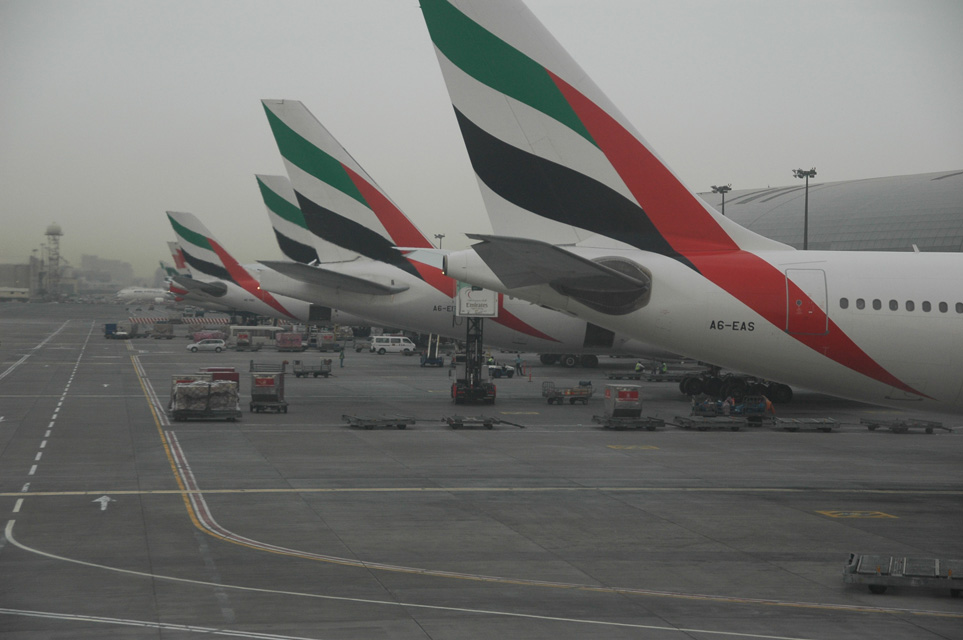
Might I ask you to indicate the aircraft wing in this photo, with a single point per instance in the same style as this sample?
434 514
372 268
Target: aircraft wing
612 285
522 262
215 289
325 278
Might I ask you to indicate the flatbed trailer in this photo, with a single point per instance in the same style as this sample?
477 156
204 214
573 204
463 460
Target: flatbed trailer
199 415
904 425
880 572
623 423
825 425
554 394
370 422
711 423
625 375
459 422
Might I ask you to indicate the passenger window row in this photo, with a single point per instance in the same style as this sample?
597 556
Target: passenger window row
909 305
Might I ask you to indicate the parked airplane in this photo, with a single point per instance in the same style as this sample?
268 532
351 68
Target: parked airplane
341 204
143 294
623 243
219 279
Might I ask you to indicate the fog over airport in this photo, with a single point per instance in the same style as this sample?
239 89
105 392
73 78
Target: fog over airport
115 111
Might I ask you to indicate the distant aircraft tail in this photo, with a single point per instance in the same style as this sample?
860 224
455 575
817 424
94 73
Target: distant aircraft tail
180 266
554 158
204 255
340 202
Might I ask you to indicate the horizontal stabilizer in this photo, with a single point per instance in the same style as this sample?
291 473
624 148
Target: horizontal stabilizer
611 285
215 289
325 278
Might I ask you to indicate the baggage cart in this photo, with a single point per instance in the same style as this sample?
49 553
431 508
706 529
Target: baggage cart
268 367
559 395
459 422
370 422
267 392
301 368
880 572
825 425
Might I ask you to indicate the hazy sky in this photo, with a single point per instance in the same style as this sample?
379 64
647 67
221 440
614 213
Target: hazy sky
114 111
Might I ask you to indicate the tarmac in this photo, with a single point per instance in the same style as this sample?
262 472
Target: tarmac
121 523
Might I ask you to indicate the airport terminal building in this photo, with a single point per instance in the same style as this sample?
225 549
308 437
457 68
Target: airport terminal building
876 214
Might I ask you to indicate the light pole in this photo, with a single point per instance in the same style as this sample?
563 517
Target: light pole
439 237
724 189
802 173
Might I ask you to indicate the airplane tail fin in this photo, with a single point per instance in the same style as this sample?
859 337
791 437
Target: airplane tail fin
340 202
179 264
198 248
554 158
205 255
295 240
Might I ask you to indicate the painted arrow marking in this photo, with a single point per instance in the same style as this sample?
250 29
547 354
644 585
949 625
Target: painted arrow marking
104 501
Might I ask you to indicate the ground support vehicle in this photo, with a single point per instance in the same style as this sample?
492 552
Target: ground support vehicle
370 422
462 392
500 371
432 361
328 341
559 395
392 344
323 368
122 331
825 425
199 399
267 392
903 426
431 356
880 572
710 423
268 367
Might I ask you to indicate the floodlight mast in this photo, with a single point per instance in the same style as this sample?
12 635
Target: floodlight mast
802 173
724 189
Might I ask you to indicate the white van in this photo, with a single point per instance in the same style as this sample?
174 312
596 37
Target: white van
392 344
